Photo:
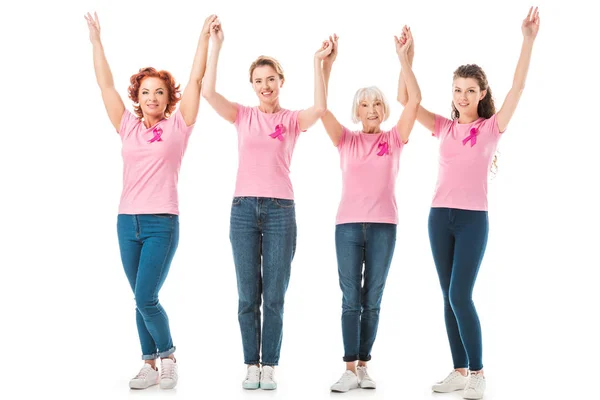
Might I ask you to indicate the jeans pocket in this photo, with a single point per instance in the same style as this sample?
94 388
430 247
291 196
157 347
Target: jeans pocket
166 216
284 203
236 201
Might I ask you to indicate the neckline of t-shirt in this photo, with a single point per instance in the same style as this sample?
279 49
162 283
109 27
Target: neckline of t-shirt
153 126
469 123
281 109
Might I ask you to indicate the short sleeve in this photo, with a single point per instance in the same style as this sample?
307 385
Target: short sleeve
293 123
343 138
179 124
491 125
442 125
242 114
128 121
395 137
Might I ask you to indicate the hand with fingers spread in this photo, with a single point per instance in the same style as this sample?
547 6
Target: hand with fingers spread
328 61
216 32
531 24
93 26
324 51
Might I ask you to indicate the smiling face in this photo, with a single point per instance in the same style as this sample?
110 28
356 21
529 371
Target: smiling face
153 97
266 83
370 108
466 95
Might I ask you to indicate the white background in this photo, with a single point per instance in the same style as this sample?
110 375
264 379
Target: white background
68 324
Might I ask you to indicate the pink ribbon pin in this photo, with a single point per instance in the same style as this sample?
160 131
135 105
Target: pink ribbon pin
157 133
383 149
278 134
472 137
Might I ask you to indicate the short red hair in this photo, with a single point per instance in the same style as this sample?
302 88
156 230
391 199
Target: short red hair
149 72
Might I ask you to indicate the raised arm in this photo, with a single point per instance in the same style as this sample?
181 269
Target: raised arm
332 126
308 117
530 28
425 117
190 101
112 101
222 106
409 113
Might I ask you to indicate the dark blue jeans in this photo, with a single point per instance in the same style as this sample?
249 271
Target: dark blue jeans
263 240
148 243
371 244
458 239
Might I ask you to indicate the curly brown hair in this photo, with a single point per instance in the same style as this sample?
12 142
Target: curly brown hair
486 107
149 72
266 60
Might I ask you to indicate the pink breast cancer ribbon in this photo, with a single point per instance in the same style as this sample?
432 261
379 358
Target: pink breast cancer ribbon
383 149
157 133
472 137
278 134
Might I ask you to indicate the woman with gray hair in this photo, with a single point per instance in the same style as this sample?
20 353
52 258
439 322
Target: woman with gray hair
365 234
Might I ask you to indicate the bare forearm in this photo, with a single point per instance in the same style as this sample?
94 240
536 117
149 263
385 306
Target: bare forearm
199 64
408 84
210 76
402 89
523 64
320 90
103 75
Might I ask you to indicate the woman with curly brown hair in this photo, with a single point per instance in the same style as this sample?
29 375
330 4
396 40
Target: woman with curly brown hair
458 220
154 141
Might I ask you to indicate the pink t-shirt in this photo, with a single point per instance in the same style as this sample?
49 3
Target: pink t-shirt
265 146
369 163
466 154
151 161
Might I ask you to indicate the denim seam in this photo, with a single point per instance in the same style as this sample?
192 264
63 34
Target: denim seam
161 272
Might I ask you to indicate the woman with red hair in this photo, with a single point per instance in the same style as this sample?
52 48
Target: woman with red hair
154 140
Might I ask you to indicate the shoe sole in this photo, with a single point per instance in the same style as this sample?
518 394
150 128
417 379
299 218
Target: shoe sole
368 387
142 387
449 390
168 386
268 386
250 386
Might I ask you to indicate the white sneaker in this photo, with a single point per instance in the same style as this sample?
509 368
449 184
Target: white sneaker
252 378
364 380
267 381
168 373
348 381
454 381
475 387
147 377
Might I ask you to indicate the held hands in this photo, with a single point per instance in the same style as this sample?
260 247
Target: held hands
324 51
531 24
216 32
332 54
93 26
205 33
404 45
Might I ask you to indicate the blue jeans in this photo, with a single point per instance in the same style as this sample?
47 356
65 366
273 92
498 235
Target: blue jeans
458 239
262 229
371 244
148 243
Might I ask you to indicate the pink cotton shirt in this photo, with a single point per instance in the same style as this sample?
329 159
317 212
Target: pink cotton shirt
265 152
369 174
463 169
151 170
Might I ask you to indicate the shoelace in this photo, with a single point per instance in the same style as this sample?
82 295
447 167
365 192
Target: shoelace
167 371
345 377
474 382
449 378
252 374
143 373
268 374
366 376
